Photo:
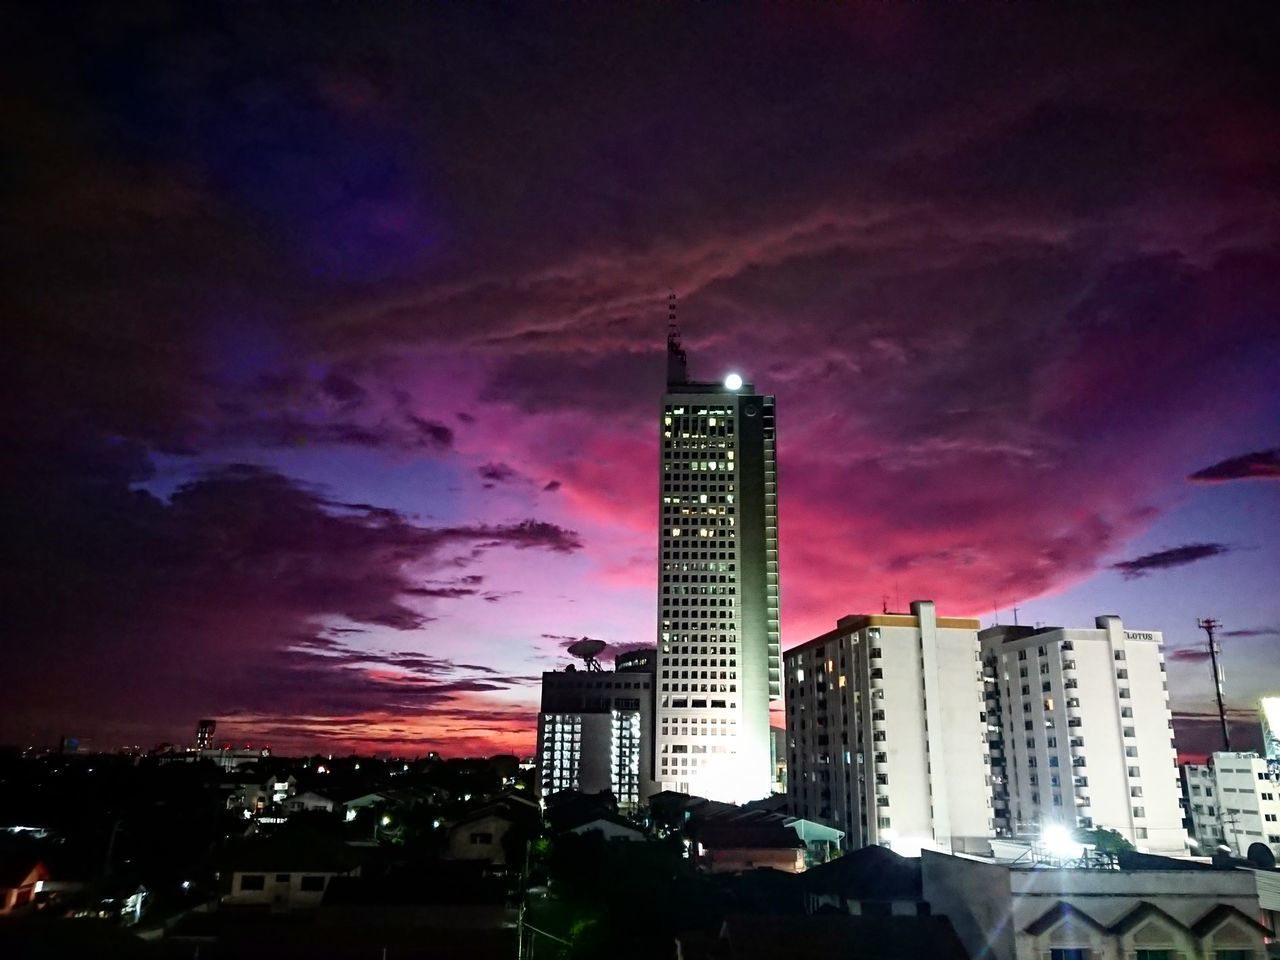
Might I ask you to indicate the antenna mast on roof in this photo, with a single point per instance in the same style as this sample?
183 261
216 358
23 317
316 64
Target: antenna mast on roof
1209 625
677 360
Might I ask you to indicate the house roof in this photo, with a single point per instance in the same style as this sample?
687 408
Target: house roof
821 937
732 836
1222 913
590 820
1061 911
870 873
1140 913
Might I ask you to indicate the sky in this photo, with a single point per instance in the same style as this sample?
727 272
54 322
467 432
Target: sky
334 341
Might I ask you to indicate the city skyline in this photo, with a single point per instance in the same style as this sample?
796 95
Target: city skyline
338 345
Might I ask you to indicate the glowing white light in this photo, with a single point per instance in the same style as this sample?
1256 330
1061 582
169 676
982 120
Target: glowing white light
386 821
733 382
1059 843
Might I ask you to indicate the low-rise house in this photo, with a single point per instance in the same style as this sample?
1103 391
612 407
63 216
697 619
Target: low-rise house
730 847
286 873
1167 908
308 801
871 881
21 877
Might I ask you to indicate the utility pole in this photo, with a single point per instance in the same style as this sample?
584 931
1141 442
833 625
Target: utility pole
1209 625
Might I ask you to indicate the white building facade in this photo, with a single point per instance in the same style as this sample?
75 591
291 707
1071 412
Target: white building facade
886 732
1234 800
719 647
591 733
1081 732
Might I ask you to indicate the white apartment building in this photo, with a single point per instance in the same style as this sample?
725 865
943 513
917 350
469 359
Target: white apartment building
1234 799
1081 733
591 732
886 732
718 640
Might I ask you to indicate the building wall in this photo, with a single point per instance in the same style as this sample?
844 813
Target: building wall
887 733
741 860
718 641
1085 732
281 889
591 733
479 839
1234 799
991 906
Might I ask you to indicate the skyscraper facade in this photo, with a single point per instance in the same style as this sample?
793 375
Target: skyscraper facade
719 649
886 732
1083 735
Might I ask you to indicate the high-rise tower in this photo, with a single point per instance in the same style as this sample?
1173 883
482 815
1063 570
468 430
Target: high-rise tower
719 650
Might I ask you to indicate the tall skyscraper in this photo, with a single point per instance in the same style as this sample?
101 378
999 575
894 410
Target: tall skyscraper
719 649
886 734
1082 734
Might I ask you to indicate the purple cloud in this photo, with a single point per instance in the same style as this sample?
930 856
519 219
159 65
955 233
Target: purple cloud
1259 465
1168 559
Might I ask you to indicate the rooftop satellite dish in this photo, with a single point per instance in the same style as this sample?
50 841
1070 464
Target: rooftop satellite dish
1260 856
587 650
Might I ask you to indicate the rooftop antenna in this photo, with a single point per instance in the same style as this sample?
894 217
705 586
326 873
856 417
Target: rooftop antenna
587 650
1015 616
884 603
677 359
1209 625
995 612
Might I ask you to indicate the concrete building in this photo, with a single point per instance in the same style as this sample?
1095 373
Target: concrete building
591 730
1029 912
286 873
718 640
204 734
1081 733
1234 799
886 734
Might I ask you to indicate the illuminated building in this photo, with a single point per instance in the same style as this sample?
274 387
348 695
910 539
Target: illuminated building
718 640
1082 734
590 730
1234 799
886 735
204 734
1269 711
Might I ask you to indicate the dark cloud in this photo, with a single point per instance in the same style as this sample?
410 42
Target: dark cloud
494 473
1253 632
198 602
1261 464
410 434
343 389
1167 559
433 432
980 267
1189 654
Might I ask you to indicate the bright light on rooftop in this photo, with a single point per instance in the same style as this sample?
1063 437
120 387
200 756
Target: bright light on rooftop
1059 843
733 382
